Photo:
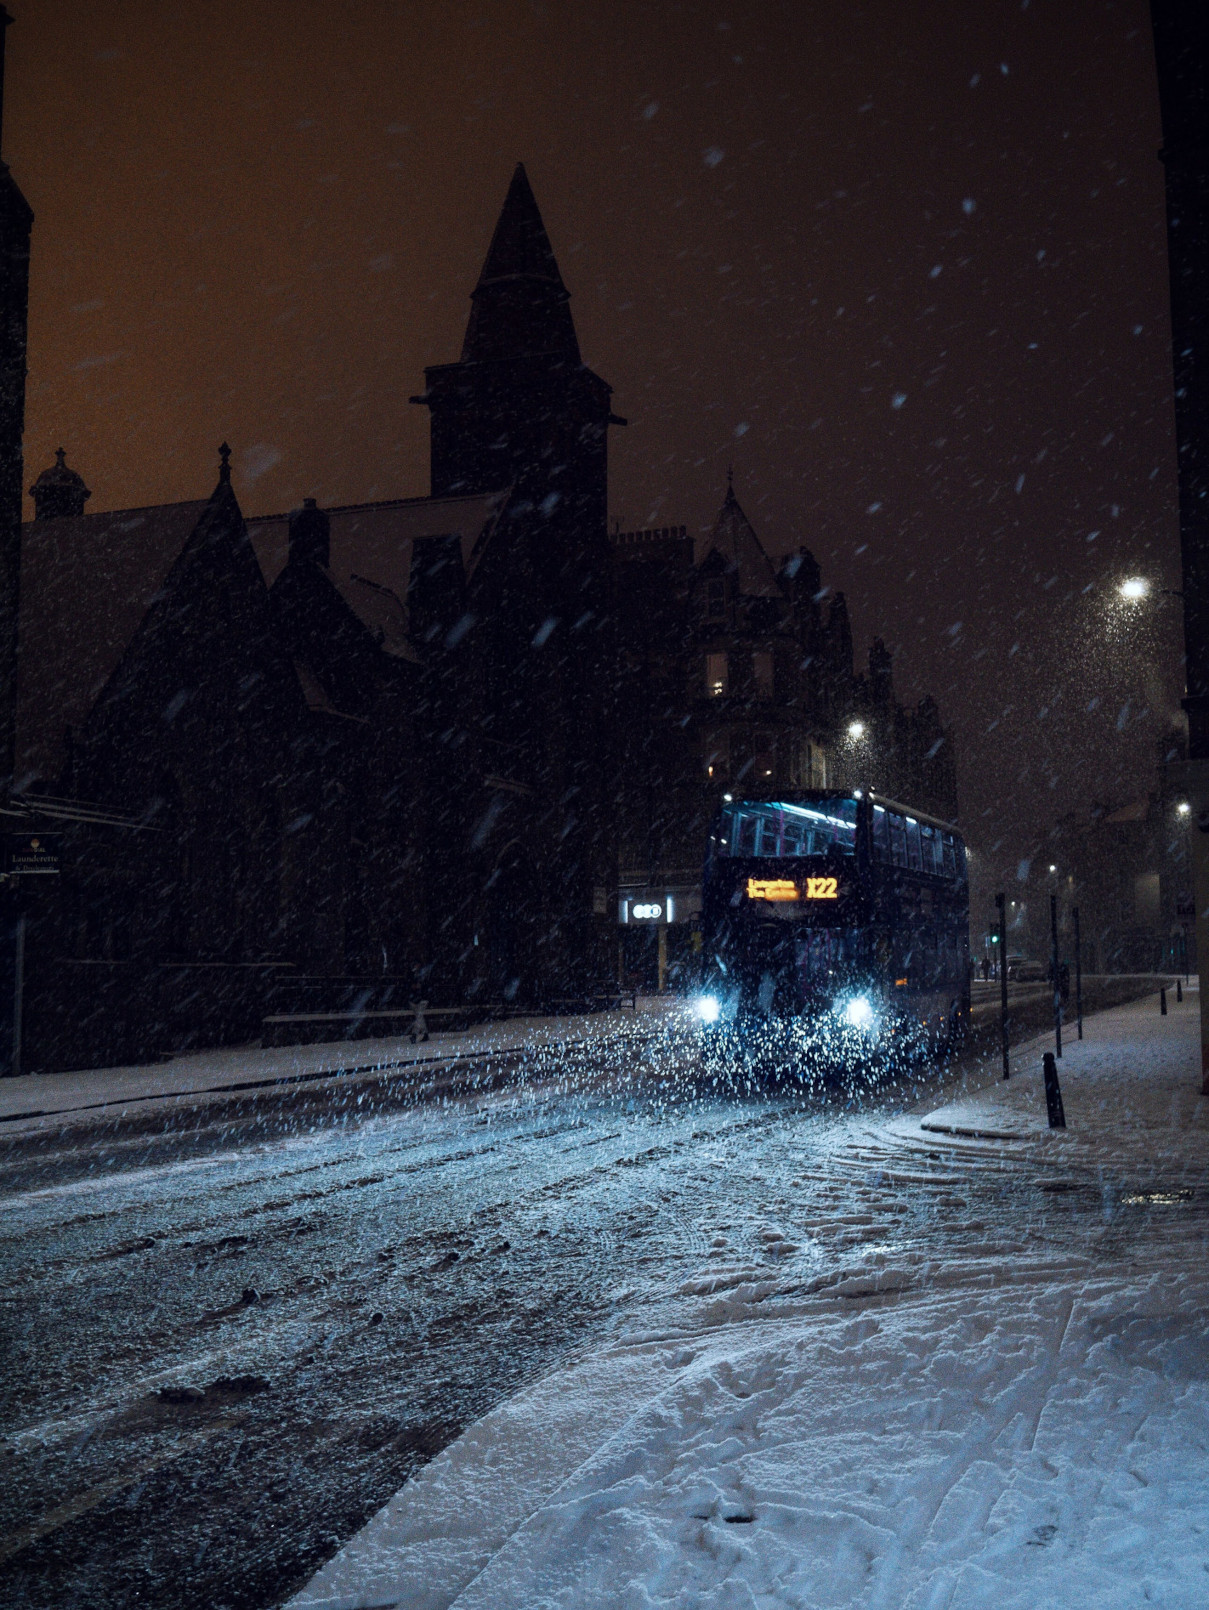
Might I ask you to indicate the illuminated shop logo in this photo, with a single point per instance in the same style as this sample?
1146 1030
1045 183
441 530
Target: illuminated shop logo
646 912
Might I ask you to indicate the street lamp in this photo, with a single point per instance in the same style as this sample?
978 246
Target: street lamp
1183 808
856 729
1134 588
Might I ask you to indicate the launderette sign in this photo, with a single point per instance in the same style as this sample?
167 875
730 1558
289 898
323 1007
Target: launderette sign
34 853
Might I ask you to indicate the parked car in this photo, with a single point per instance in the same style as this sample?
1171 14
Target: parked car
1023 971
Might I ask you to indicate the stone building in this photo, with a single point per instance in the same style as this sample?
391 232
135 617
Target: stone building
737 672
347 758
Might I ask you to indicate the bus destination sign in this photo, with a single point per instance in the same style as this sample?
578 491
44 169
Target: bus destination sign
778 889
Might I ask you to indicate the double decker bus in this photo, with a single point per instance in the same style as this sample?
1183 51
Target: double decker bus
846 912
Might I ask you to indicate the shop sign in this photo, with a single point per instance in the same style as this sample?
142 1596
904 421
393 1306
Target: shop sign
34 853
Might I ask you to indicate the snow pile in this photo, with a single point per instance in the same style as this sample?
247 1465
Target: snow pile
1020 1419
1020 1448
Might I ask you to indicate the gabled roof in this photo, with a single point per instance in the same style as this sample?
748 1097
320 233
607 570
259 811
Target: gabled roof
373 541
317 700
86 584
379 611
735 540
205 642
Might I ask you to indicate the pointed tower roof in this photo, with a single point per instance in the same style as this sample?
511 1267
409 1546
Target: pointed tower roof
735 539
519 306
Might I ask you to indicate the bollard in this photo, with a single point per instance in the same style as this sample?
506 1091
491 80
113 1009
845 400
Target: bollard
1179 992
1053 1094
1001 908
1162 1003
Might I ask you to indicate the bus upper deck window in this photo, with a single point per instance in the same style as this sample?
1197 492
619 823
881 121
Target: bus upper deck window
950 854
898 839
881 833
929 843
777 829
914 857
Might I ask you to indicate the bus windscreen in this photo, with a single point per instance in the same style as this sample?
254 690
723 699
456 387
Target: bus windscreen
779 830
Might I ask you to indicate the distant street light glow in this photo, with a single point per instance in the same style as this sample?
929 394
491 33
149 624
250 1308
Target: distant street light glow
856 729
1183 807
1134 588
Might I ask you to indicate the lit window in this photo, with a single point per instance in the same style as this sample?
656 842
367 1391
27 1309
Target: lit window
717 754
715 675
761 666
818 767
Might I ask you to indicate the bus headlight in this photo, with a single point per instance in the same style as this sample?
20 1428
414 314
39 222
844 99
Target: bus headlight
858 1012
708 1009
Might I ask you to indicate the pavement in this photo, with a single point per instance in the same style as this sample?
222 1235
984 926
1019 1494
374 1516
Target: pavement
1008 1410
36 1101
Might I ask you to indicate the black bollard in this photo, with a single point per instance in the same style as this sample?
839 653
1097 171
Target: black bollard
1001 908
1179 992
1056 972
1162 1003
1078 972
1053 1095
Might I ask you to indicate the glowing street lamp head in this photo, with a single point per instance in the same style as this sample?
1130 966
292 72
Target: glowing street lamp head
856 729
1183 808
1134 588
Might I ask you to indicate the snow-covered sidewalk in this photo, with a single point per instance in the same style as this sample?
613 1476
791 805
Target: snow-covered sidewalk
1010 1409
37 1098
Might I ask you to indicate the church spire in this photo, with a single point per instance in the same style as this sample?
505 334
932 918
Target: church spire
519 306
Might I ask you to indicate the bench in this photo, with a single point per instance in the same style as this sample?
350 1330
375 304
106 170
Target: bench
353 1023
311 1028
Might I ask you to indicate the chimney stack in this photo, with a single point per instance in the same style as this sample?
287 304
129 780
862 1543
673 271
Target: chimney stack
310 535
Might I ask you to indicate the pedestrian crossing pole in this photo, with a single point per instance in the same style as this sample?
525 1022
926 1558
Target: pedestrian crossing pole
1078 972
1001 907
1053 929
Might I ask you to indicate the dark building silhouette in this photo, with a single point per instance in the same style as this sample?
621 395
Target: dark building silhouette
427 748
1181 43
16 222
522 410
734 672
59 493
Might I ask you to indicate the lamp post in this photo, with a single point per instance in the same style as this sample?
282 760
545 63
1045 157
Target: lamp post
856 742
1190 777
1053 928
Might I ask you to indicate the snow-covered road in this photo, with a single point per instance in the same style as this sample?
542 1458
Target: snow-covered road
992 1390
226 1353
